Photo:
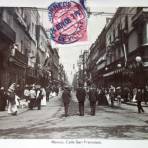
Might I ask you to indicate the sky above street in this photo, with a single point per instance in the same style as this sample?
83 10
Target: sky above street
69 54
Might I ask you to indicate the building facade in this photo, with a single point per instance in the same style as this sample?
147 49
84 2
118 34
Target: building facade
7 39
119 55
26 56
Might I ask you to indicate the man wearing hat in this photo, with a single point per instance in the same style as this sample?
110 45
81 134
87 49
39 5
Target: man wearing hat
118 94
80 94
66 99
112 95
39 97
3 101
139 99
93 96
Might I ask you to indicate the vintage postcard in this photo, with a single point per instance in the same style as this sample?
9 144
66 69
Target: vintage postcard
74 72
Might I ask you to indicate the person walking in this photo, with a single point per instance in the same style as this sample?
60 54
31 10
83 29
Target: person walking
66 95
56 90
39 97
92 95
139 100
26 93
32 102
18 91
112 95
48 90
12 107
80 94
3 99
146 94
102 100
118 95
43 101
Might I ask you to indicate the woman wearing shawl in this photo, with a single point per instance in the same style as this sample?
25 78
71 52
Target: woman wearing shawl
12 107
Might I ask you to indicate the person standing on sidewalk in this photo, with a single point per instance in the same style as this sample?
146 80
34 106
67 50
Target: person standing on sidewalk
146 94
3 99
43 101
112 95
80 94
32 102
139 100
66 96
93 95
39 97
12 107
118 95
26 93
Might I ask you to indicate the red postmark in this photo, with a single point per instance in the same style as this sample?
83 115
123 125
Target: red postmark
69 23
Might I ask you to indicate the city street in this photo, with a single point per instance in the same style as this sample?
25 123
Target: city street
110 123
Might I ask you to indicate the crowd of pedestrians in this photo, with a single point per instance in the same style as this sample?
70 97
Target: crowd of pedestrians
32 96
105 96
36 95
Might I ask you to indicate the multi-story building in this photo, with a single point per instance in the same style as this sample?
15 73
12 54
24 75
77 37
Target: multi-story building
44 55
122 46
82 68
26 55
126 41
7 38
97 60
33 18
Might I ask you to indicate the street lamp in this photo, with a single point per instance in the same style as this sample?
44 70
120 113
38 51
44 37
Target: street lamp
119 65
106 68
138 59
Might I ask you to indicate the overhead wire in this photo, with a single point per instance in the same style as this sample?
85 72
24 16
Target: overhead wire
90 13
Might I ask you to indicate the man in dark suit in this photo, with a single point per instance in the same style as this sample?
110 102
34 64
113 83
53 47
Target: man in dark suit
139 100
39 97
80 94
66 96
93 95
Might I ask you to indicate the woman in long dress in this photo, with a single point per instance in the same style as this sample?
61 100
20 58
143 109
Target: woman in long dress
43 101
12 107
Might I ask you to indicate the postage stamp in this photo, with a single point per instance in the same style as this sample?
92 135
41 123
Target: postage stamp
69 22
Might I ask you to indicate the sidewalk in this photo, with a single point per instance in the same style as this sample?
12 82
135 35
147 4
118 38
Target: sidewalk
135 104
5 113
20 110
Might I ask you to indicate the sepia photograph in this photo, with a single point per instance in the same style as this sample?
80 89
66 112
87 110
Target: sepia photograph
73 69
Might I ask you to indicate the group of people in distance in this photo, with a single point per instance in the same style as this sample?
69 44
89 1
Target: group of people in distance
104 96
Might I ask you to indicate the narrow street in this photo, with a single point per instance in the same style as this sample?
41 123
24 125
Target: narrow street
110 123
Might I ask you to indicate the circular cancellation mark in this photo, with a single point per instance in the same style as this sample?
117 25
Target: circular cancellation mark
69 22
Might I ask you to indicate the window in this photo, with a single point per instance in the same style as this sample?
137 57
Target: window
145 33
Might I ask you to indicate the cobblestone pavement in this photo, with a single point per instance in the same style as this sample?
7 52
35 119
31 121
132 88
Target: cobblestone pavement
109 123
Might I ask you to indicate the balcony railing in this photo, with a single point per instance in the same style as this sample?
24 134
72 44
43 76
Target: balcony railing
17 56
21 57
